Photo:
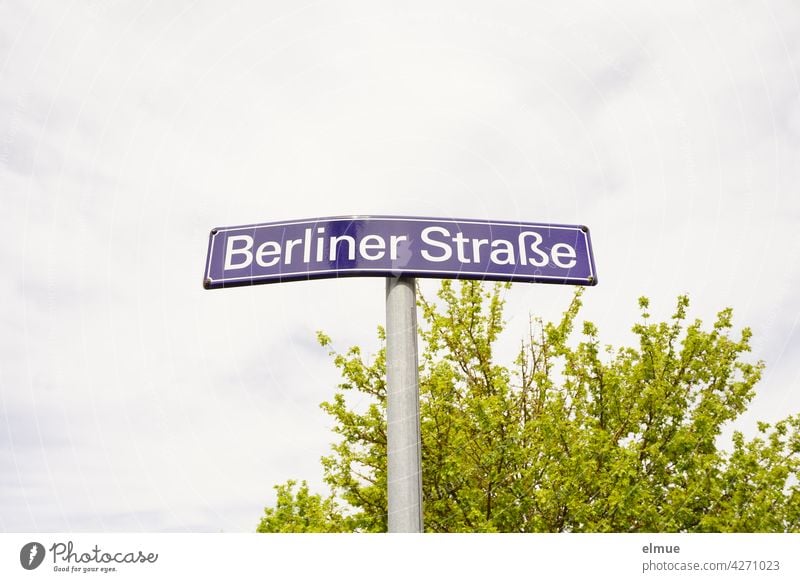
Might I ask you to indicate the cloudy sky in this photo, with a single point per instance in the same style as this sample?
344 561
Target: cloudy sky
133 400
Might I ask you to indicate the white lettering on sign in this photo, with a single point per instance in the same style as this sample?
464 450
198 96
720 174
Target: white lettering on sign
351 247
562 250
527 250
396 240
438 244
268 249
372 242
502 248
426 238
540 259
230 251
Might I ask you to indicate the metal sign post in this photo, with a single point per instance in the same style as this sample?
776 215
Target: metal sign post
402 407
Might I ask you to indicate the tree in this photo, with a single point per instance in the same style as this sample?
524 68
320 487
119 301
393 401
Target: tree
571 436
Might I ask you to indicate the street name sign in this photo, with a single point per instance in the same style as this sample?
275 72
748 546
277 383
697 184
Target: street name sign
390 246
400 248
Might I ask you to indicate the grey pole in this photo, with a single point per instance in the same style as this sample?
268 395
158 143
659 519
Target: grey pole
402 407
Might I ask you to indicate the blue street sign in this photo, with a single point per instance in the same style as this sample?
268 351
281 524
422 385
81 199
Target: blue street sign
390 246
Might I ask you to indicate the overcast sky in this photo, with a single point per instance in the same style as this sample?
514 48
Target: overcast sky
131 399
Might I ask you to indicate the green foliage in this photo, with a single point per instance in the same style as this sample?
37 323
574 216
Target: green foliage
301 511
570 437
